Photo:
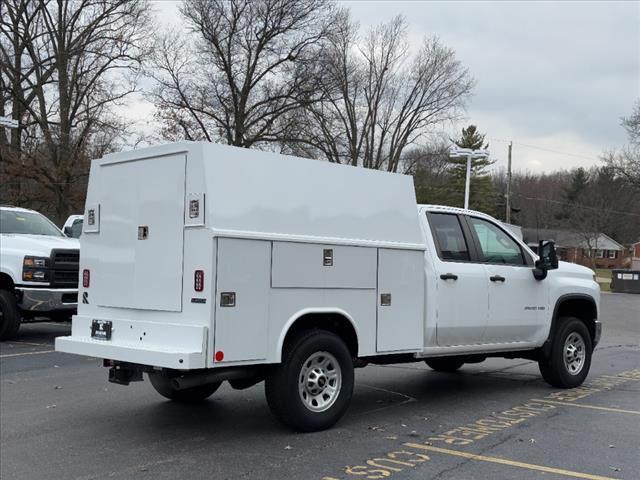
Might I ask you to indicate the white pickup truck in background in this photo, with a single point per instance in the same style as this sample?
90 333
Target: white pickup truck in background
203 263
38 270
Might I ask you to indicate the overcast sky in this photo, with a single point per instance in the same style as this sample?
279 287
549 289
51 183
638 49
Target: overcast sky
556 76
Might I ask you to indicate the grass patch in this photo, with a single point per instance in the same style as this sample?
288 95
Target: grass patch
605 287
603 272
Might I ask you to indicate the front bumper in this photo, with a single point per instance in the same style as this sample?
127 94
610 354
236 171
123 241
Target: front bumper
598 333
46 299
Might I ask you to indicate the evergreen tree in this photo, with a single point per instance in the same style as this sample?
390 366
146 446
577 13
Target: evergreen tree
482 195
573 192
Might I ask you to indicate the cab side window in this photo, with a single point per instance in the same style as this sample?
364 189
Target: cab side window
495 244
451 243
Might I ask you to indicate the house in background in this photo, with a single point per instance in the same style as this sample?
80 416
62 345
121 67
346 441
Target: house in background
635 256
580 248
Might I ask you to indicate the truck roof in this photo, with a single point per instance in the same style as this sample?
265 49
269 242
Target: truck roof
448 209
258 194
17 209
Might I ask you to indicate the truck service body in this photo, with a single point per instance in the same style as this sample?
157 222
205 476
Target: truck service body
202 263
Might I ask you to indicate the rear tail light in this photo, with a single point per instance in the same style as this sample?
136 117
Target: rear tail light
198 280
86 278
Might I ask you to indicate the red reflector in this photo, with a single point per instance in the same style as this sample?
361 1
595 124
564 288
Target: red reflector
219 356
198 280
86 277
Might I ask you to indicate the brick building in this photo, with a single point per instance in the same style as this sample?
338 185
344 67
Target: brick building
581 248
635 256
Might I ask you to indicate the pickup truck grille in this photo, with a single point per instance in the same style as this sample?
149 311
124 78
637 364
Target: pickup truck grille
64 268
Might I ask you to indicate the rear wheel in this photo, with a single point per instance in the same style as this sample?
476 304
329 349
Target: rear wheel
164 387
570 359
312 387
9 315
445 364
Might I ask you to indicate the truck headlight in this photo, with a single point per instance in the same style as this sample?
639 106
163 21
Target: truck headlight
35 262
35 269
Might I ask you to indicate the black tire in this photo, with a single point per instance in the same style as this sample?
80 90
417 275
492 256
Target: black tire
445 364
290 402
555 370
9 315
163 386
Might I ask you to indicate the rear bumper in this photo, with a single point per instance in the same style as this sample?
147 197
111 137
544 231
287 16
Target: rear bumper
47 300
180 347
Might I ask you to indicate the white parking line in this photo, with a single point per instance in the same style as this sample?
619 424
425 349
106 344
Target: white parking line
26 353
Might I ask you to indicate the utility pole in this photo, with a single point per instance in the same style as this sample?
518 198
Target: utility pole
508 212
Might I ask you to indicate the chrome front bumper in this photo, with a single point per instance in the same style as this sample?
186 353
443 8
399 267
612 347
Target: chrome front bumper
47 300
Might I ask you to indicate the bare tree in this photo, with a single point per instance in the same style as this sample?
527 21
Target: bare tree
378 98
65 65
626 161
246 64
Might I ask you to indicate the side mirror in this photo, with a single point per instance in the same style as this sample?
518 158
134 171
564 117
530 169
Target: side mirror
548 259
67 231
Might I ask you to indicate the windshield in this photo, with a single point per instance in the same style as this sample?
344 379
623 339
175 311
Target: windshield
29 223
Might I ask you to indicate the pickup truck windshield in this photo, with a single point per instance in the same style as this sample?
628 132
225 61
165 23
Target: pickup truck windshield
27 223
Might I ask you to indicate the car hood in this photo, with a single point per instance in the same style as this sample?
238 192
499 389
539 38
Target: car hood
576 270
36 245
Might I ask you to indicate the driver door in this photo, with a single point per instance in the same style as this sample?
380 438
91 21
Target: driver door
518 303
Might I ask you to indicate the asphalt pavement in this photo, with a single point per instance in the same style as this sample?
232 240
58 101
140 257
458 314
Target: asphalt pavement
61 419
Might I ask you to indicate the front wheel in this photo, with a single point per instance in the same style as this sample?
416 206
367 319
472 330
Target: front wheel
570 359
312 388
9 315
164 387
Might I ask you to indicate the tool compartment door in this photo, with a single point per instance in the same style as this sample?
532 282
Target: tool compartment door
400 300
141 234
243 271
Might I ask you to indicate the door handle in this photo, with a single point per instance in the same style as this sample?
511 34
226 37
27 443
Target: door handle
497 278
448 276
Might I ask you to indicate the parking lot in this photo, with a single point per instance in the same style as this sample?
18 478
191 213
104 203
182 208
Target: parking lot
61 419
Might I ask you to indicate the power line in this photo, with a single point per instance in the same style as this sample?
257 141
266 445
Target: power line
577 205
544 149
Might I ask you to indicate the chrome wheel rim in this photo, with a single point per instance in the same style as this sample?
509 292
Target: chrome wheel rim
320 381
574 353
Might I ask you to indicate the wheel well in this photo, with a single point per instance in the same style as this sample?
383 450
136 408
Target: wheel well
5 282
581 308
332 322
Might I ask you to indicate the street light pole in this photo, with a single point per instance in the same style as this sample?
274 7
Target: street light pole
467 182
8 122
469 154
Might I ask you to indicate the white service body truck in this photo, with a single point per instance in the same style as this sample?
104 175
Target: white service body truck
38 269
204 263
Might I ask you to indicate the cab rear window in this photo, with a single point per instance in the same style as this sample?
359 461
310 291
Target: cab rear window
452 244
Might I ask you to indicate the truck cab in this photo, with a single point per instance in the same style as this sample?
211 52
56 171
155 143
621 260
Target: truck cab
487 289
203 263
38 270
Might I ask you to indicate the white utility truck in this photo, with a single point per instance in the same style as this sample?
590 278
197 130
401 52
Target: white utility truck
204 263
38 270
